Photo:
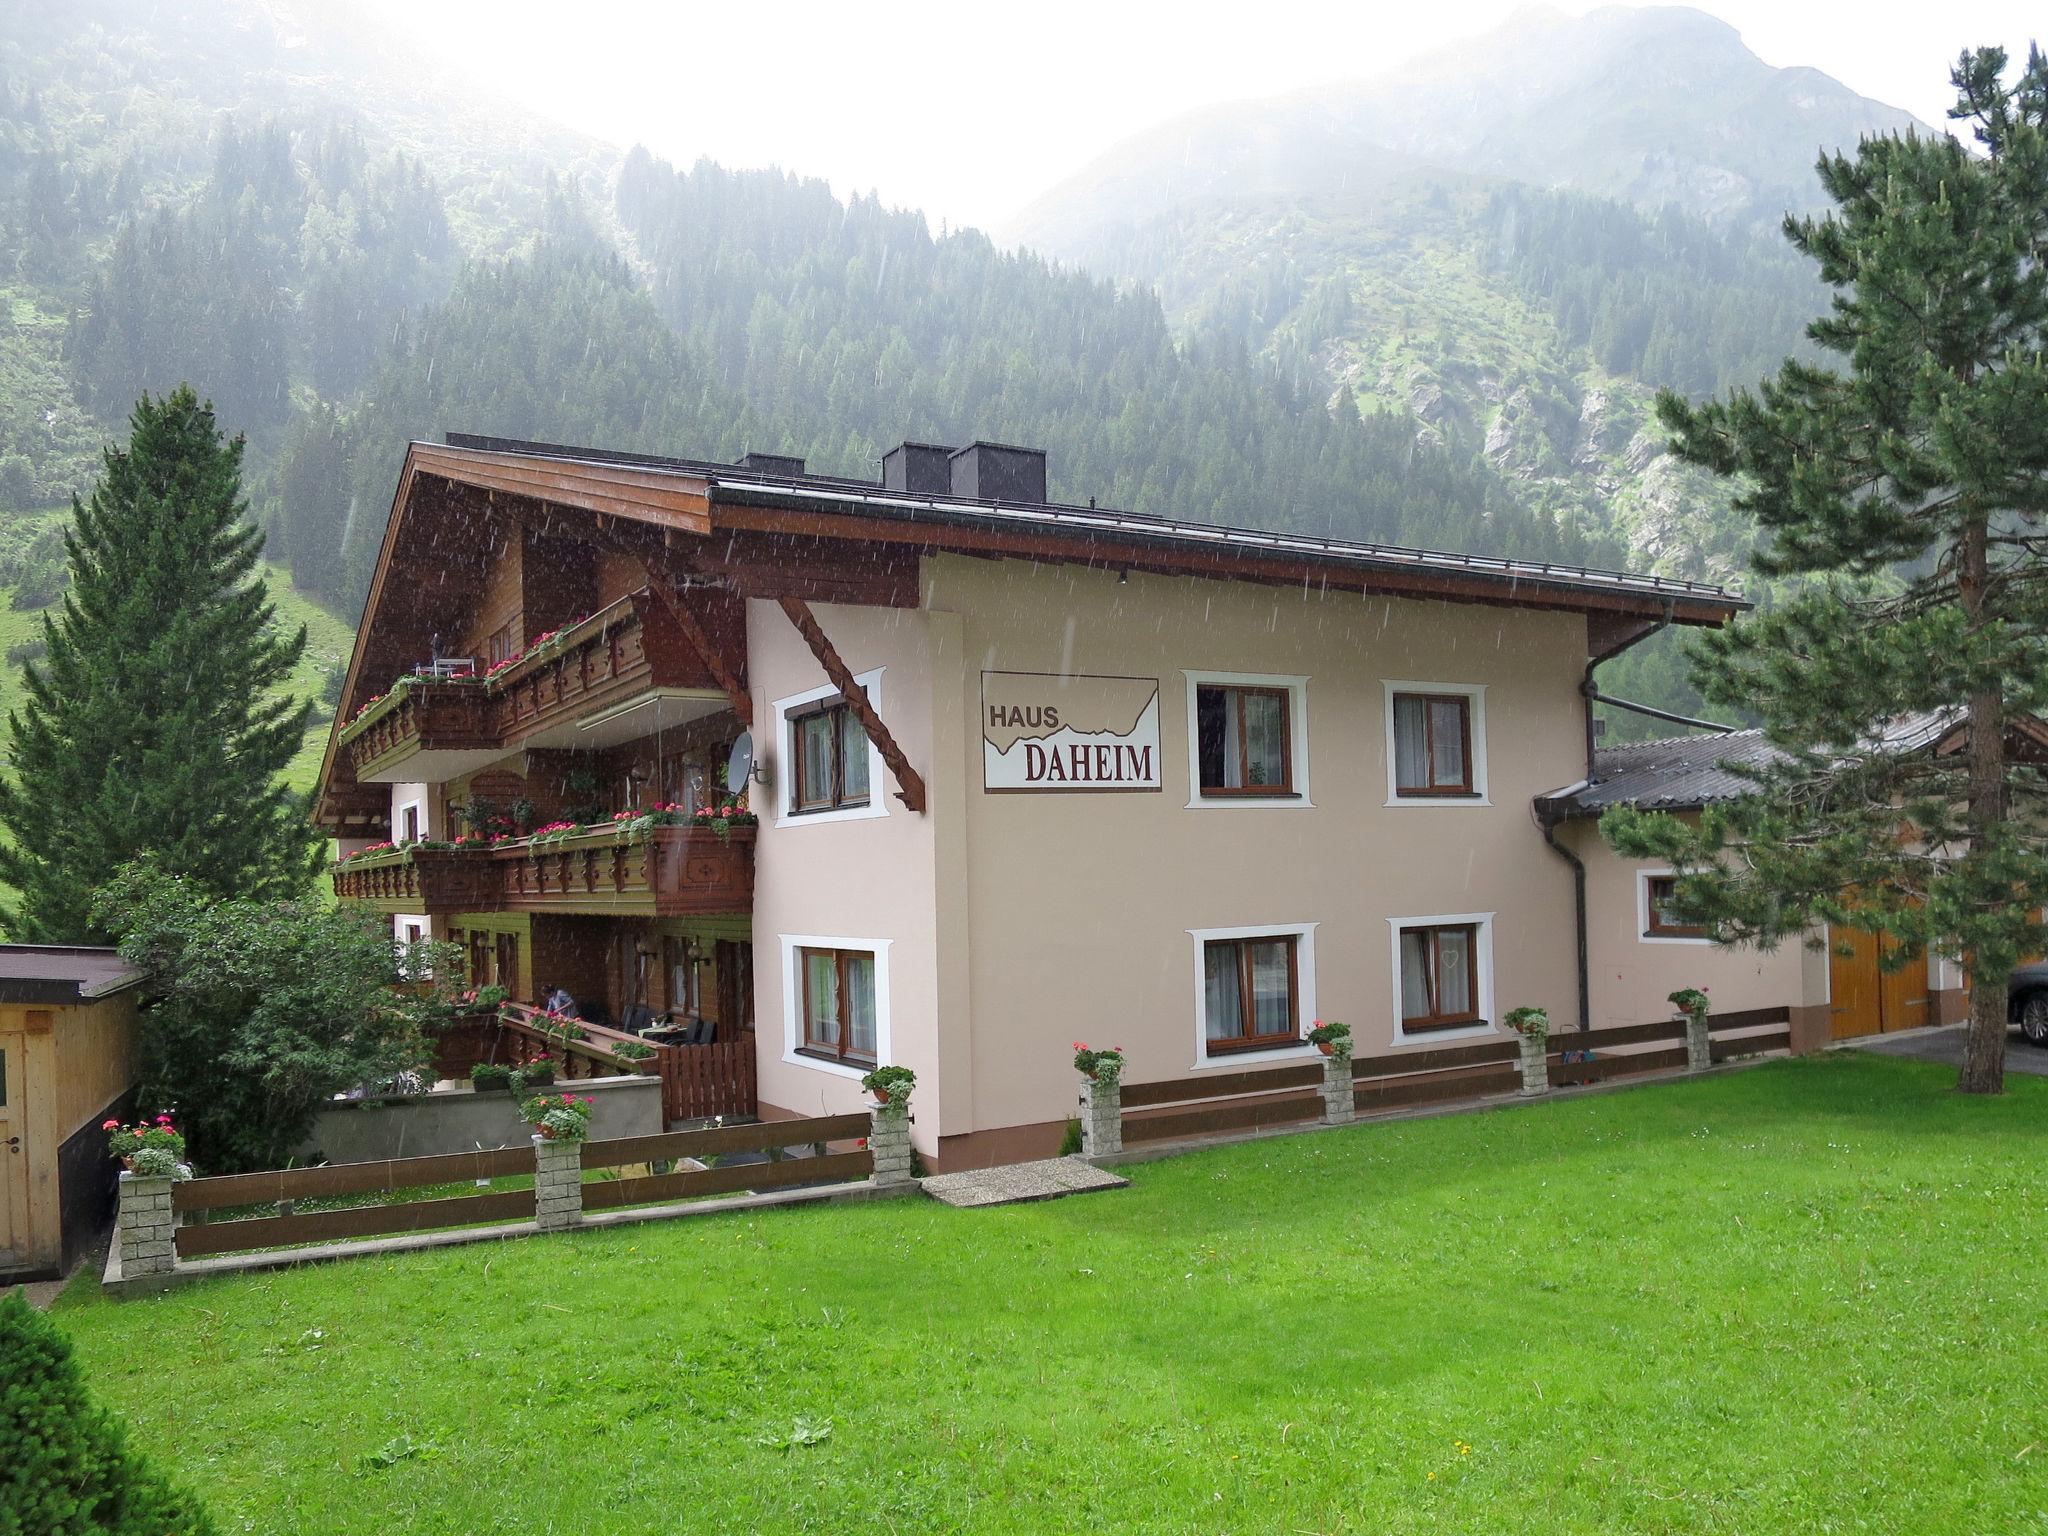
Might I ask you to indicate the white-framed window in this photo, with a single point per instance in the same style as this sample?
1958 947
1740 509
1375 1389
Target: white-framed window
1255 992
829 770
410 819
1443 976
1655 921
1436 743
835 1003
1247 739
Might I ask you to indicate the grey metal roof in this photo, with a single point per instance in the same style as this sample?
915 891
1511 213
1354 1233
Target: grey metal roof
1683 773
63 973
1669 774
746 484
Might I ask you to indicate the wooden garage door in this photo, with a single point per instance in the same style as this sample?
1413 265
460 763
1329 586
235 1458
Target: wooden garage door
1866 999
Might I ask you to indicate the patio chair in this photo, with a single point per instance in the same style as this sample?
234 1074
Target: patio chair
638 1020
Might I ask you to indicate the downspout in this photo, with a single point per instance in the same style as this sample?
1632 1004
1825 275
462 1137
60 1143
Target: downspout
1548 819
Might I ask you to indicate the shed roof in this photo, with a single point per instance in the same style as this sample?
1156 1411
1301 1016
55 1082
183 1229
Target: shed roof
56 974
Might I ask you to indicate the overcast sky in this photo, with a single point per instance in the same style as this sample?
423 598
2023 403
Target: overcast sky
970 111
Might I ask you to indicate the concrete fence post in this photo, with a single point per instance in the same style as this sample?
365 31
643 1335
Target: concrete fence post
145 1226
1102 1116
1535 1063
557 1183
1699 1045
1340 1101
889 1143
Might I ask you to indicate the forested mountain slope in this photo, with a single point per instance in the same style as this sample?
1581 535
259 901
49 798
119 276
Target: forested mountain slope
1515 241
1326 313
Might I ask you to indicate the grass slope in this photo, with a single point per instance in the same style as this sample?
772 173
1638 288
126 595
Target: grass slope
1800 1298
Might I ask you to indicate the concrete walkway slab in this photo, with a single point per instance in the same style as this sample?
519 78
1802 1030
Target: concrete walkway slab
1945 1045
1047 1179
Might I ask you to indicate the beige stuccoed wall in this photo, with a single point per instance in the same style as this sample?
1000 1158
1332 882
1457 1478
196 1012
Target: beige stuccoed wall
1079 906
867 880
1633 978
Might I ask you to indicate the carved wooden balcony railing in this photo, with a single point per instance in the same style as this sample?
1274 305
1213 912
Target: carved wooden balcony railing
619 651
655 872
661 872
421 880
425 715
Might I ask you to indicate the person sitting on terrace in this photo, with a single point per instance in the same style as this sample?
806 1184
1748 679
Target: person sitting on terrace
559 1001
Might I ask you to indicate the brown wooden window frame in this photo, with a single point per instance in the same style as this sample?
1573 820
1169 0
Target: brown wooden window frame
1654 926
841 714
842 1053
1438 1020
1236 694
1246 1004
1465 789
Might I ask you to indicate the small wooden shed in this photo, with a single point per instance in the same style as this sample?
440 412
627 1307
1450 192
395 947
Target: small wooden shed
68 1059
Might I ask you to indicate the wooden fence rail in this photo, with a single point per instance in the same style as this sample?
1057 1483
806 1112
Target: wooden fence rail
1176 1108
494 1206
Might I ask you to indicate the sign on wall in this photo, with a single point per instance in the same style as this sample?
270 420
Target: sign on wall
1046 732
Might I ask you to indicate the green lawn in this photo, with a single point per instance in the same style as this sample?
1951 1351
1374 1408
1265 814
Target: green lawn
1802 1298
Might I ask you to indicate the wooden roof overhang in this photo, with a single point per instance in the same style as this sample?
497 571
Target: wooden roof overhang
449 506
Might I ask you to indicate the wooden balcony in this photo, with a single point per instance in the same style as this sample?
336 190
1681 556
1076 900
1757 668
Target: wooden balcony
421 880
631 651
658 872
429 730
661 872
624 672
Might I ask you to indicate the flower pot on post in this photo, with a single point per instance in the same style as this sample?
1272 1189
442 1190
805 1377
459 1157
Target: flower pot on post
1532 1029
152 1158
1102 1100
561 1123
1696 1008
1340 1100
889 1126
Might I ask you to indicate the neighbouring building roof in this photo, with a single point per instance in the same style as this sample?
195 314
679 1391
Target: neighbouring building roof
56 974
1684 773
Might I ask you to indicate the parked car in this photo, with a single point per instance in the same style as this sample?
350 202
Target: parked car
2027 1002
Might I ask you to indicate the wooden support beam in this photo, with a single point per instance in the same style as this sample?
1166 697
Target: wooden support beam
910 787
707 650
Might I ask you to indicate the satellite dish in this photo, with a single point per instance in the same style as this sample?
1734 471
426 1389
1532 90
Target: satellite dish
740 764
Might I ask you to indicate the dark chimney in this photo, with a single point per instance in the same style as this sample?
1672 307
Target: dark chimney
919 468
998 472
773 464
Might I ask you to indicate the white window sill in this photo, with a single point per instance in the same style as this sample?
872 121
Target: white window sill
1438 1036
868 812
819 1064
1439 802
1264 1057
1664 938
1251 802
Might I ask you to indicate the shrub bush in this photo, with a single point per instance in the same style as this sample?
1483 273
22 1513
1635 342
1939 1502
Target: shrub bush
67 1465
490 1076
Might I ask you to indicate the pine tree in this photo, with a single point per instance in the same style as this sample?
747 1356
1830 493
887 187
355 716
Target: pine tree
155 723
1909 487
68 1466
